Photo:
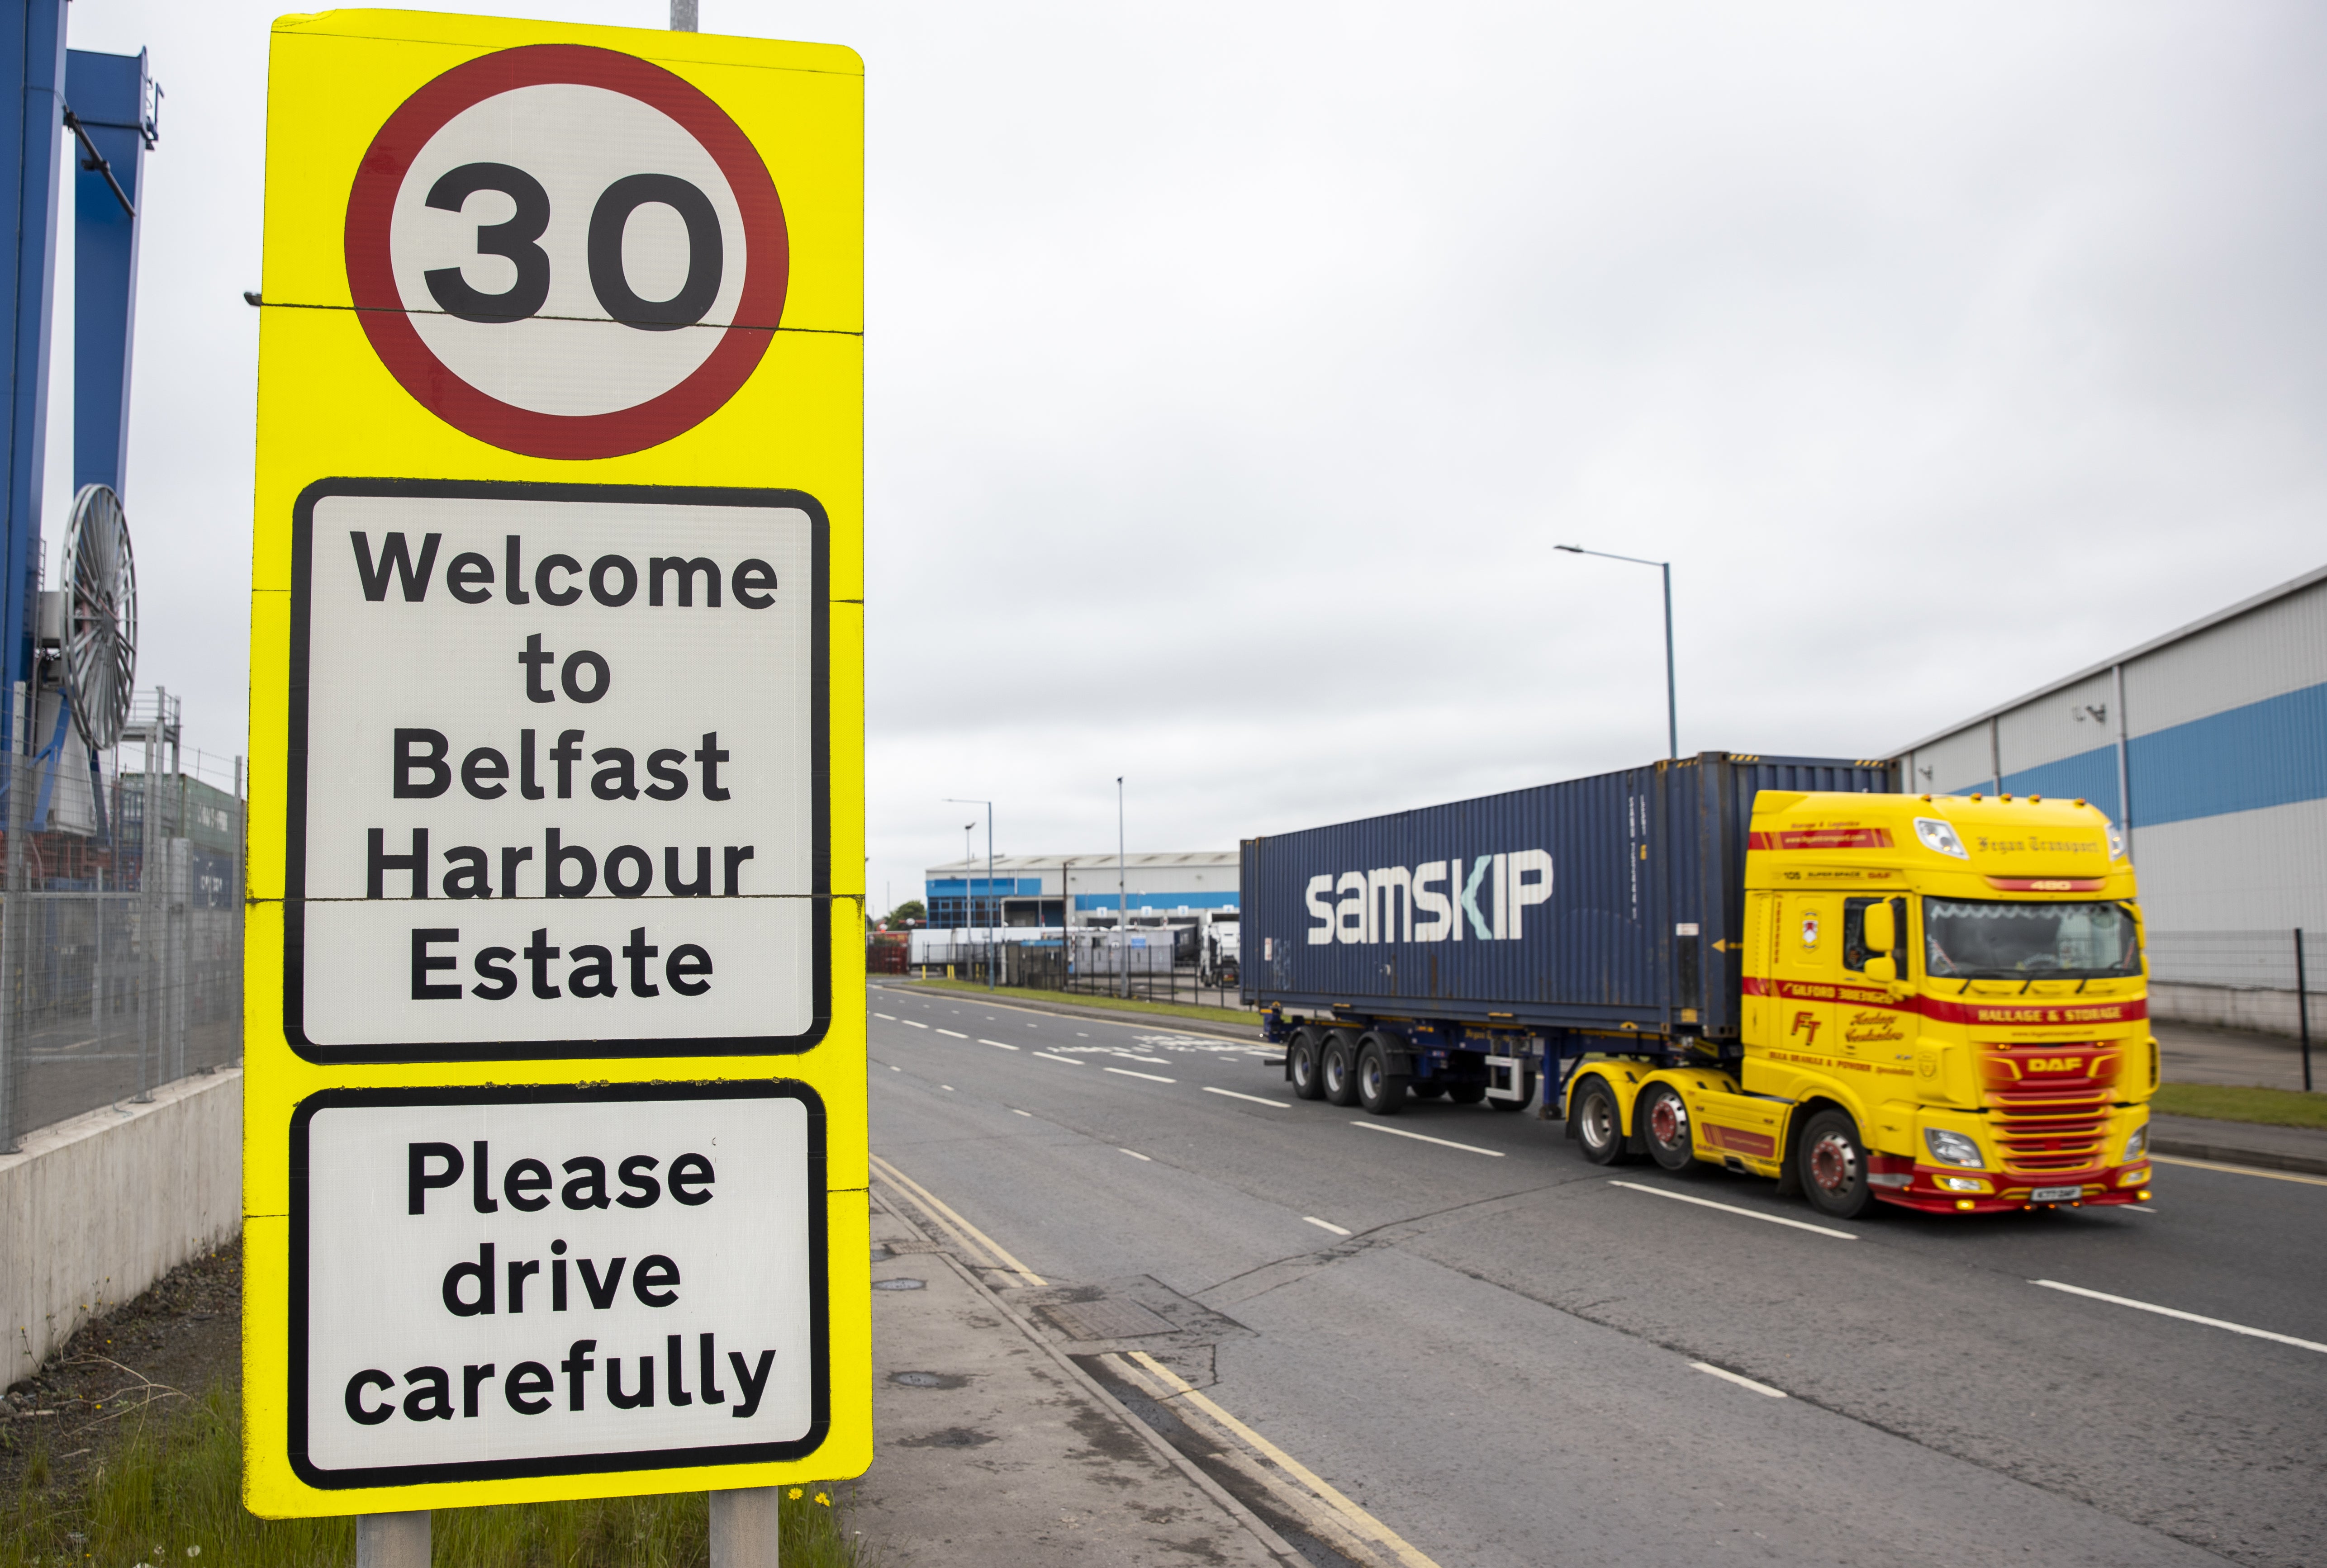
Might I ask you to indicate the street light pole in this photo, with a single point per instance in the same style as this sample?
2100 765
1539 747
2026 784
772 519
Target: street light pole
1122 900
1672 703
968 865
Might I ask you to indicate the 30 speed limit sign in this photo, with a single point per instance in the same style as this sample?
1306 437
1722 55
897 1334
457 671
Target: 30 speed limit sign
516 206
554 1157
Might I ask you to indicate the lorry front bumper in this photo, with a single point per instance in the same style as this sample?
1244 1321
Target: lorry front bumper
1947 1189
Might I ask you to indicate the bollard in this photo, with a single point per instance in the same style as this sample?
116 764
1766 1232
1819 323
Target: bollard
744 1528
392 1540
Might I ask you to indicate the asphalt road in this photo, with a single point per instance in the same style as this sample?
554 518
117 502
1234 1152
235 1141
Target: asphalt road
1516 1357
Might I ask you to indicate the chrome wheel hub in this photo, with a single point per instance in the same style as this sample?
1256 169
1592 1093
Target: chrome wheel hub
1834 1164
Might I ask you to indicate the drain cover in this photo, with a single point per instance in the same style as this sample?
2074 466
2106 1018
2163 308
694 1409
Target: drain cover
899 1284
1106 1318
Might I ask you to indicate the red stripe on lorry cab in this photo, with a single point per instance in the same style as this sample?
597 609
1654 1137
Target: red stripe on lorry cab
2019 1015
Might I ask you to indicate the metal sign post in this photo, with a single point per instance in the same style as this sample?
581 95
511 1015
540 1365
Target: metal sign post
556 1139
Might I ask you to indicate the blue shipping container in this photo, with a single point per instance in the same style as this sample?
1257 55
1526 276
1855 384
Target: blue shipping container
1609 902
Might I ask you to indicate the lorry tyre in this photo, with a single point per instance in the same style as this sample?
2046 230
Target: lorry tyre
1663 1118
1341 1070
1302 1067
1597 1126
1466 1093
1380 1090
1832 1164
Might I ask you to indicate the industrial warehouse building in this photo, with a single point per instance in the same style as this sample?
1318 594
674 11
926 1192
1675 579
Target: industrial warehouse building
1081 889
2209 747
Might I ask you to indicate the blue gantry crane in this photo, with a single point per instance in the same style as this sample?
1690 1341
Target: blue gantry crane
104 108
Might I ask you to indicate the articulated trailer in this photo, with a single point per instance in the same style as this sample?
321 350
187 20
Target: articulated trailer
1781 966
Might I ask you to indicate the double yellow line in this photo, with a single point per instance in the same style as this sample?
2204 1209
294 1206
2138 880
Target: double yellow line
1348 1515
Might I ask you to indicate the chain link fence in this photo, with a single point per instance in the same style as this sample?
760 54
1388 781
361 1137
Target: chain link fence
1163 966
2269 982
120 922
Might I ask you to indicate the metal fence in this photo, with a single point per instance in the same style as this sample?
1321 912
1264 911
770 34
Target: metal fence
121 937
2238 960
1090 968
2258 981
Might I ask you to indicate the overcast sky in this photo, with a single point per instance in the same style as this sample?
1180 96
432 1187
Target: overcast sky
1232 369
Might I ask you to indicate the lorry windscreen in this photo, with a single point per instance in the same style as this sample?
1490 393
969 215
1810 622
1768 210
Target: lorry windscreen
1981 939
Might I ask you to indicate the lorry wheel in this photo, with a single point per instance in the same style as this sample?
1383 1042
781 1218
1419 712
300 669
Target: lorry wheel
1663 1118
1340 1072
1302 1067
1831 1162
1466 1093
1428 1091
1597 1128
1380 1090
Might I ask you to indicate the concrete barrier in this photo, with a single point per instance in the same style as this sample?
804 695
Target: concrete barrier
97 1208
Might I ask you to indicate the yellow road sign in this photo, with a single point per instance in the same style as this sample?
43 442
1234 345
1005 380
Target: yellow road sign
553 1116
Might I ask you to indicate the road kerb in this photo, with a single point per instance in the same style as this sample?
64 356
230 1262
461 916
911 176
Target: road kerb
1365 1523
975 1239
1268 1540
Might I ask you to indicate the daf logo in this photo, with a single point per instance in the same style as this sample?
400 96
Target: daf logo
2056 1063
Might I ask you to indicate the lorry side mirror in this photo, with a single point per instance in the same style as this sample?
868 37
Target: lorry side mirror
1880 933
1884 968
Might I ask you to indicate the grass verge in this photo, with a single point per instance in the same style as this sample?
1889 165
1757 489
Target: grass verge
2231 1103
1104 1003
168 1495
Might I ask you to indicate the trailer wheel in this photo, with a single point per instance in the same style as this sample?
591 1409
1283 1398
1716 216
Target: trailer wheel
1301 1066
1663 1118
1380 1090
1341 1070
1832 1162
1597 1126
1466 1093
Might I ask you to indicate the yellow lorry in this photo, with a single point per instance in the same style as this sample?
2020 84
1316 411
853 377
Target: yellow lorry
1943 1007
1932 1000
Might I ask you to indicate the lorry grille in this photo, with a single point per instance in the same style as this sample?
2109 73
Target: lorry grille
2052 1104
2060 1135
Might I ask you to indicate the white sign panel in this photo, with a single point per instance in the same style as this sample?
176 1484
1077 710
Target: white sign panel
545 1280
578 811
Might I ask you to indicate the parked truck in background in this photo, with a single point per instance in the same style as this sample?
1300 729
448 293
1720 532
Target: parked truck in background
1780 966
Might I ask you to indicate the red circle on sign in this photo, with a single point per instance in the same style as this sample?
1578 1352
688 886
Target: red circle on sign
380 307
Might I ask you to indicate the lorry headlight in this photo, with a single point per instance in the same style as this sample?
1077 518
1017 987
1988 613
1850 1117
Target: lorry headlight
1939 837
1952 1148
2136 1145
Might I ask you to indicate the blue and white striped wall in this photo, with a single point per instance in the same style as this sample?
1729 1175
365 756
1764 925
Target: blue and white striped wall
2211 743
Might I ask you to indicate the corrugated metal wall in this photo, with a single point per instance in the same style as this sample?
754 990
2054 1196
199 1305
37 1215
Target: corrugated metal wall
2223 729
1595 901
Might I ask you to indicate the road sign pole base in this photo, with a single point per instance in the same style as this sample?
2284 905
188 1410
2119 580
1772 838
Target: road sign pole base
743 1527
394 1540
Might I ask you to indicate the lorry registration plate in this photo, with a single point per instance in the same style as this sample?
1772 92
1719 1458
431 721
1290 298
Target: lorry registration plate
2056 1194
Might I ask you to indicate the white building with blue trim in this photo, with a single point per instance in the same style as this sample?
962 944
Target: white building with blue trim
2208 744
1083 890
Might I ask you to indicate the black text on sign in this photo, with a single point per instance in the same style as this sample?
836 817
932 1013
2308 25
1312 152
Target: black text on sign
548 1280
579 810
